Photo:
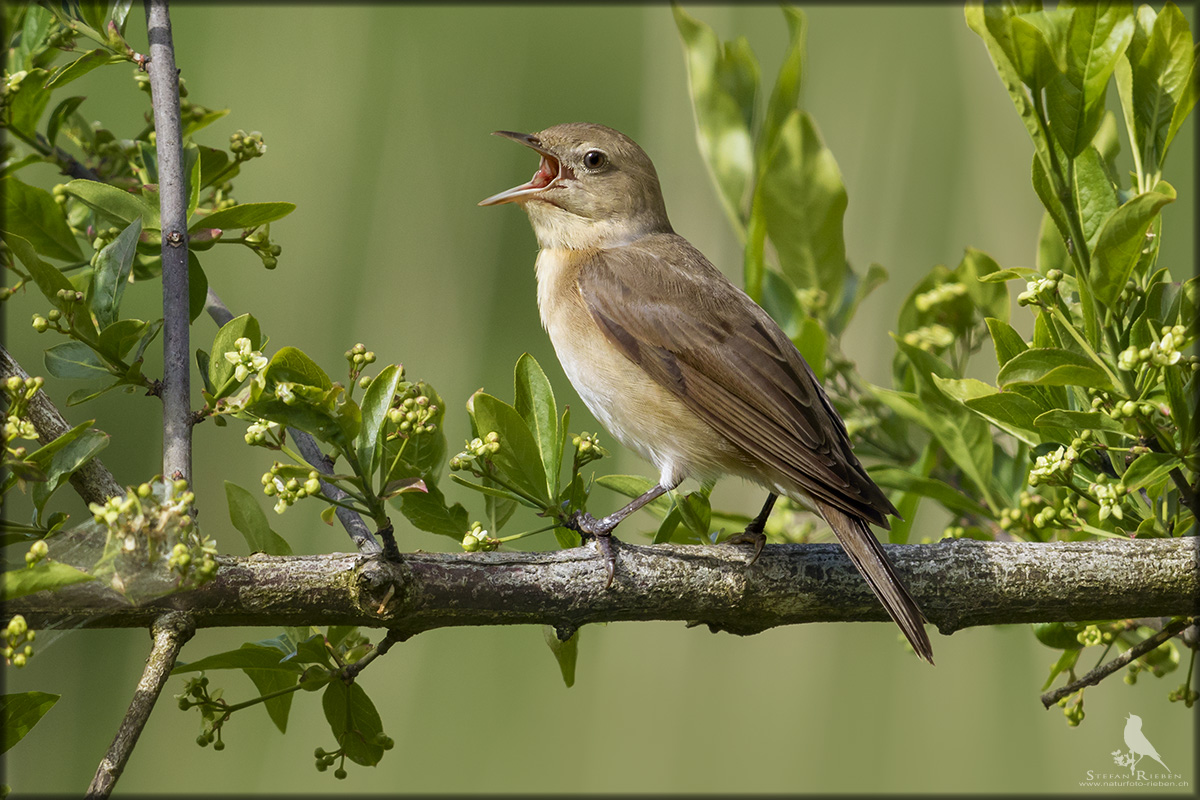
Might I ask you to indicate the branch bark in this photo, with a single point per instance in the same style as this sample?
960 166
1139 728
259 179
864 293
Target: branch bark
164 92
93 482
958 583
171 631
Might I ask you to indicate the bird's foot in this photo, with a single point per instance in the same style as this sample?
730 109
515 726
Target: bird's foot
756 538
588 527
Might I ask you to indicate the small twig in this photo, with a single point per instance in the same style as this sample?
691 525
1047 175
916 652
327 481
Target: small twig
171 631
350 672
351 521
1187 494
1104 670
93 482
217 309
164 85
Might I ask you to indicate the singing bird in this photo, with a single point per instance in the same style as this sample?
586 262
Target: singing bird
679 364
1137 742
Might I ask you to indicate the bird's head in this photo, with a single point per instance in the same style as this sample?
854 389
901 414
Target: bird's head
594 188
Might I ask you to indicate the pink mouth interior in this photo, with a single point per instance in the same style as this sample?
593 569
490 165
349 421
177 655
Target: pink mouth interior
547 171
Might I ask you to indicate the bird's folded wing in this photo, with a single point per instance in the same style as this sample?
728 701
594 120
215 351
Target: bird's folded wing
672 313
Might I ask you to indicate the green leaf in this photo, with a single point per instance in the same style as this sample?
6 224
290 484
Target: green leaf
249 519
49 280
1008 411
950 498
1051 366
635 486
191 171
269 681
20 711
855 291
1183 107
811 343
533 399
803 202
219 368
1065 662
249 656
1005 340
25 106
60 113
32 214
723 83
1044 187
61 464
34 28
80 396
428 512
118 339
75 360
565 653
43 576
116 203
1098 35
1052 253
213 164
111 275
375 404
1182 412
965 437
518 457
993 23
208 117
668 526
780 301
1078 420
294 366
786 91
989 297
197 287
81 66
354 721
695 513
1148 469
1095 195
1161 74
245 215
1122 240
1039 45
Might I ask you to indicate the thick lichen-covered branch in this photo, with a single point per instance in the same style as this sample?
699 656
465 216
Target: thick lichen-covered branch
958 584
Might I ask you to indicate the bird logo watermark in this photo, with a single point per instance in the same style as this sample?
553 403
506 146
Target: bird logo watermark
1133 759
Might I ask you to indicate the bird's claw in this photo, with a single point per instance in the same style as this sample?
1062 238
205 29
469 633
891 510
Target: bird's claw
588 527
756 538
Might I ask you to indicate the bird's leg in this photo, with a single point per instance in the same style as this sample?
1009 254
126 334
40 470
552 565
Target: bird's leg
754 531
601 529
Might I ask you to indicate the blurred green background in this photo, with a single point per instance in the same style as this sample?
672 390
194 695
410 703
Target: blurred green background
377 121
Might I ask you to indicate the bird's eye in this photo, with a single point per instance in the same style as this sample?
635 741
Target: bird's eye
594 159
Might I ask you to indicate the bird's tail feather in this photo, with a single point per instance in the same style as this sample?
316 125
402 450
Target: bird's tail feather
872 563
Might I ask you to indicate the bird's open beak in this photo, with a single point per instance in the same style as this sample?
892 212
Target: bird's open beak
549 171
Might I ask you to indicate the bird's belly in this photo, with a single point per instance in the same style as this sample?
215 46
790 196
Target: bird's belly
637 411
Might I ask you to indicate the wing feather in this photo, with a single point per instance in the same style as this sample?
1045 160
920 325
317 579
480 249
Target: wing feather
710 345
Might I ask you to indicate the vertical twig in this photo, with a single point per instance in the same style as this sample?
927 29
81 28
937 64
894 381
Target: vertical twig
171 631
164 85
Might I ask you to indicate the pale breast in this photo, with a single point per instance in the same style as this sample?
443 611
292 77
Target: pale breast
637 411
